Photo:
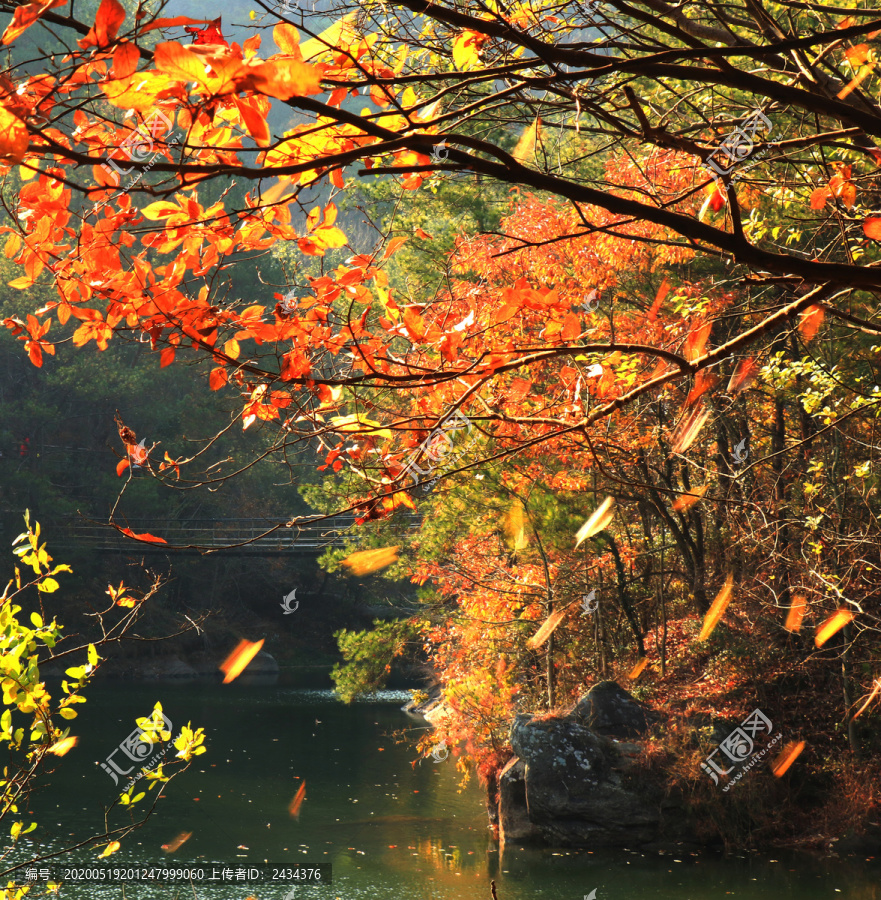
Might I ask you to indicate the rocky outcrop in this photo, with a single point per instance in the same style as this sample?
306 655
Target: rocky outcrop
568 784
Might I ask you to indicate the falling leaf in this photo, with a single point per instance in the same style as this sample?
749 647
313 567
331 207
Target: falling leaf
365 561
686 501
601 518
717 610
547 628
663 290
525 148
796 613
877 688
145 537
177 842
515 526
297 802
833 624
110 849
787 757
743 376
690 428
60 748
703 382
637 670
237 661
810 321
696 341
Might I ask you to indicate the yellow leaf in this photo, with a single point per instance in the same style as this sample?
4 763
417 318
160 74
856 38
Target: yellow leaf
601 518
14 137
466 49
833 624
717 610
547 629
366 561
65 745
341 33
530 138
110 849
515 526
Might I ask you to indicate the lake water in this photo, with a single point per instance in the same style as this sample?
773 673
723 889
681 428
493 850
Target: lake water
391 827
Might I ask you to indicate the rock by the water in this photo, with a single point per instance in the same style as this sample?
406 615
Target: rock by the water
263 669
610 710
570 784
169 667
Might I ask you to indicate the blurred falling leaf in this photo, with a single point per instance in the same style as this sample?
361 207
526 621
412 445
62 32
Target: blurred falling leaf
810 321
637 670
601 518
833 624
365 561
59 748
787 757
717 610
297 802
690 428
237 661
177 842
525 149
877 687
743 376
686 501
547 629
110 849
796 613
515 526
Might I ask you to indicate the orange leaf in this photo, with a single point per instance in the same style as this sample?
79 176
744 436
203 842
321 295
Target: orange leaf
288 40
238 660
717 610
173 22
424 235
871 697
810 321
686 501
121 466
297 802
703 382
663 290
366 561
638 669
14 138
872 228
108 20
547 629
787 757
690 428
231 348
217 378
696 341
178 842
166 357
796 613
35 354
146 538
25 16
282 79
125 60
832 625
819 197
393 245
254 122
743 376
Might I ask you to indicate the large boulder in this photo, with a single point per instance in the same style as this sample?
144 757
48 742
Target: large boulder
610 710
579 787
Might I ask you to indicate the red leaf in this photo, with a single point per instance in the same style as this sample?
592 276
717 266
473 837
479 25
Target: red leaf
810 321
35 353
663 290
210 34
819 197
717 200
872 228
166 358
121 466
217 378
145 538
702 383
